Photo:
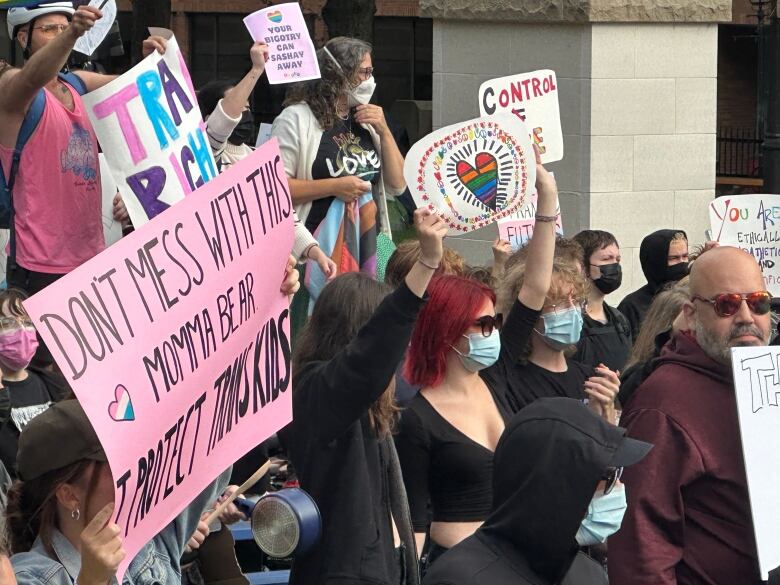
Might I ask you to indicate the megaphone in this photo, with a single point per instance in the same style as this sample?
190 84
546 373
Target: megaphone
283 523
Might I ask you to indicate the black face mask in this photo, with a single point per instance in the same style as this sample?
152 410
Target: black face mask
676 272
611 278
244 130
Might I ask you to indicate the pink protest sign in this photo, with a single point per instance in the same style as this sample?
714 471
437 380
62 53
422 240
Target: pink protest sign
176 341
291 54
518 228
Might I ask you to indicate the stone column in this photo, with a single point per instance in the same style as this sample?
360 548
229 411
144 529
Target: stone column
637 85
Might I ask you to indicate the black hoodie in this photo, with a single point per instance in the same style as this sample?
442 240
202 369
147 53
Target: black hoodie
653 255
546 468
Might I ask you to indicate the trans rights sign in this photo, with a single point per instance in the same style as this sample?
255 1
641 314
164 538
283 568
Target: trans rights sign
176 340
150 129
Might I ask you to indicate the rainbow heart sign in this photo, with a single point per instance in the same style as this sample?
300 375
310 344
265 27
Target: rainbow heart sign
275 16
473 173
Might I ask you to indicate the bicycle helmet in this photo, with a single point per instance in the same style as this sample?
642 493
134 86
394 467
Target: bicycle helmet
22 15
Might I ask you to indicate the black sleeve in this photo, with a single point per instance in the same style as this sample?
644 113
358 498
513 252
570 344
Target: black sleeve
413 445
517 330
629 311
332 395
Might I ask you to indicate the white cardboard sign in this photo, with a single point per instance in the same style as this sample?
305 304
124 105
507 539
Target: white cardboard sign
532 97
757 386
752 223
473 173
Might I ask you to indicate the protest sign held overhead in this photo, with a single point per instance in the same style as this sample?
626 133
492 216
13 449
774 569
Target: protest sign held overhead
150 128
532 97
176 341
291 54
473 173
757 386
751 222
518 228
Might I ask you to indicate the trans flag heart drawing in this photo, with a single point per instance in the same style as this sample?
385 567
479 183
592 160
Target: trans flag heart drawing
122 408
482 181
473 173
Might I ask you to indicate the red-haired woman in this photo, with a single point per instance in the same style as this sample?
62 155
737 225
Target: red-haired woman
451 427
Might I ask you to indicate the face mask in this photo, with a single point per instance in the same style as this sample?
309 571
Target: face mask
244 130
610 279
17 348
483 351
676 272
361 94
604 517
562 329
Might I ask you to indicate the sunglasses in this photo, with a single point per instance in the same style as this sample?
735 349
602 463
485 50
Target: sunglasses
728 304
489 322
611 477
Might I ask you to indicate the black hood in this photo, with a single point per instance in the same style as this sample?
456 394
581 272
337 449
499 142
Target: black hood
654 253
546 468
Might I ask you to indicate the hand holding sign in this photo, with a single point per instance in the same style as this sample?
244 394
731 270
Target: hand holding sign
83 20
101 549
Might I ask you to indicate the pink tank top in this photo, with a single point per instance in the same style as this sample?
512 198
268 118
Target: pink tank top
57 196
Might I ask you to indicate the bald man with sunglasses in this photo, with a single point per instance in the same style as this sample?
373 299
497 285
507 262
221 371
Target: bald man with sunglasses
688 519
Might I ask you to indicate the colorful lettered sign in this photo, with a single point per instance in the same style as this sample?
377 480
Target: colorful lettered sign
150 128
532 97
176 340
473 173
751 222
291 54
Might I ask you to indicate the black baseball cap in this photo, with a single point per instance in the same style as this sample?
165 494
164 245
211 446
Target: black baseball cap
58 437
629 452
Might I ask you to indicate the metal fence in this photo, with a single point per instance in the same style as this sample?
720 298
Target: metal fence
739 152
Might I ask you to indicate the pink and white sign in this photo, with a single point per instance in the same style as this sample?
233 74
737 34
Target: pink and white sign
150 128
291 54
532 97
176 341
518 228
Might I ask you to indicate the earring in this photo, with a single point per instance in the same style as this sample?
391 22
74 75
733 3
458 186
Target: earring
75 513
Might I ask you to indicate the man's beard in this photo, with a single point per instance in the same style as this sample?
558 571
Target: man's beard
719 348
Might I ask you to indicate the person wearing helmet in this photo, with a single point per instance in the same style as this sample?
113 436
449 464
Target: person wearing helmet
55 182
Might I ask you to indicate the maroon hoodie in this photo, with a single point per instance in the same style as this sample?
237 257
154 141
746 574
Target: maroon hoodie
688 519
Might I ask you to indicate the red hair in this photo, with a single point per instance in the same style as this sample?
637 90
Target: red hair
453 305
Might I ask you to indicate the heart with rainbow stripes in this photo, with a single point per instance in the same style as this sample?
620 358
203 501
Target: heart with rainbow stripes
482 181
275 16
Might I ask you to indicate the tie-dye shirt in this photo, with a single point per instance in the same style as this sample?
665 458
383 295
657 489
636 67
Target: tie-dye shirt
57 194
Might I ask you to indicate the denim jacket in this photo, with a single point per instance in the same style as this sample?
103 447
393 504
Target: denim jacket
157 563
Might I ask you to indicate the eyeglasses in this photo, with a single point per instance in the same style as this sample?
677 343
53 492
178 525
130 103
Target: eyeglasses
563 306
366 72
728 304
489 322
12 322
51 30
611 477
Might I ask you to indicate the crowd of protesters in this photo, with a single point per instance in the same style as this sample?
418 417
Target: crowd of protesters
455 424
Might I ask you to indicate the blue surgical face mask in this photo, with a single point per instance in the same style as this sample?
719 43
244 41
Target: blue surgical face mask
563 328
483 351
604 517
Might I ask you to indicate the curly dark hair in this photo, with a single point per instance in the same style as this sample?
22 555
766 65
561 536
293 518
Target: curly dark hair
322 95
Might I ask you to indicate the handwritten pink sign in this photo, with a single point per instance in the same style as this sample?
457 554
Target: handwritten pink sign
176 341
518 228
291 54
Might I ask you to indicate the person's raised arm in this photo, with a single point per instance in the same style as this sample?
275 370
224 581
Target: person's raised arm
342 390
541 248
235 99
20 85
